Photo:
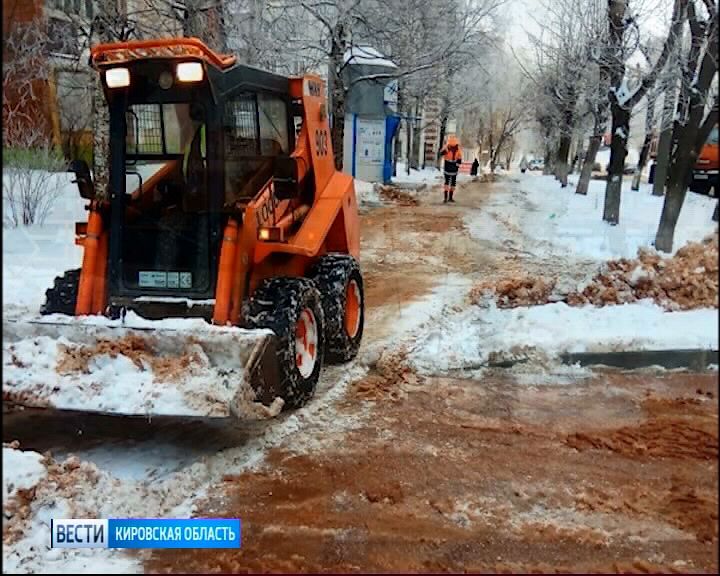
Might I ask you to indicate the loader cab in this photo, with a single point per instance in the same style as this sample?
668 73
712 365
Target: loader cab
189 143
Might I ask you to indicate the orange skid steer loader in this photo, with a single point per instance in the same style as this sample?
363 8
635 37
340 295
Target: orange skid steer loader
220 266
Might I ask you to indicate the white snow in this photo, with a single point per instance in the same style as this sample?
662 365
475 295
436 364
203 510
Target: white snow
466 339
21 471
623 93
206 375
33 256
603 158
368 56
427 175
164 479
556 221
144 481
367 194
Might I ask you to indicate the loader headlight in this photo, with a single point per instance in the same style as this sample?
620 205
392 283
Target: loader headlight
117 77
271 234
189 72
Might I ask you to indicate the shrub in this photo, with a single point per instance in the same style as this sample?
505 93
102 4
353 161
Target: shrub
30 183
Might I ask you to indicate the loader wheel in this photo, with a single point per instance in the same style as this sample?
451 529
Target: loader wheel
291 307
61 298
340 282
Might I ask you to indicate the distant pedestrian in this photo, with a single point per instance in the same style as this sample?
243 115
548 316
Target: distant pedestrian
523 164
452 155
475 167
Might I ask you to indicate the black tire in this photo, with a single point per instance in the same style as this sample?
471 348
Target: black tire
332 275
61 298
277 304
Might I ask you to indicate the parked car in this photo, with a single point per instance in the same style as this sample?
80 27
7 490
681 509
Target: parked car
536 164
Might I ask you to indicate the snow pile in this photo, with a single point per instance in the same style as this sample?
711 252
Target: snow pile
395 195
76 488
555 219
72 489
517 291
21 472
470 338
124 371
367 194
686 281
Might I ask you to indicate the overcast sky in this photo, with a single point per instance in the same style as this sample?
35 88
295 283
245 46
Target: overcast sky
523 17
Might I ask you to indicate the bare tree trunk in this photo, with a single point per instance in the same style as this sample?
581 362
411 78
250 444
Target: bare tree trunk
561 165
337 98
690 140
416 139
620 125
649 132
107 22
397 152
663 150
674 199
548 163
408 144
661 161
579 153
715 214
397 147
443 128
588 163
690 135
618 151
101 140
492 154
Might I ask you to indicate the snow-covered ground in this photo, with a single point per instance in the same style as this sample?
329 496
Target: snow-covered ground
554 219
544 220
428 175
367 194
34 256
603 158
467 339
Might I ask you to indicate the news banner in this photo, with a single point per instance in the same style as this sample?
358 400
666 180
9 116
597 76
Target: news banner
145 533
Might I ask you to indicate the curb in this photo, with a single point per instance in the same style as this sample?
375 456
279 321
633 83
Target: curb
417 186
693 359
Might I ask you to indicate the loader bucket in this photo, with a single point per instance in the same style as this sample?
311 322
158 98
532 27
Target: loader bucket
91 364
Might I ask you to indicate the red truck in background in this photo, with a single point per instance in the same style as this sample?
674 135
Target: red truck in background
705 178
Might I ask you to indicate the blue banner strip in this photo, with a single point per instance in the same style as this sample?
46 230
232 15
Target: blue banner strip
169 533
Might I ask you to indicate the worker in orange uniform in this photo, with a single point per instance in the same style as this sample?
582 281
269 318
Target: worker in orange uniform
452 156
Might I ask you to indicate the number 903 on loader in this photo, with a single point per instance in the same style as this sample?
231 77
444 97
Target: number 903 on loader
220 261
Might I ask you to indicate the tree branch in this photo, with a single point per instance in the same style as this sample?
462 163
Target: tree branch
679 15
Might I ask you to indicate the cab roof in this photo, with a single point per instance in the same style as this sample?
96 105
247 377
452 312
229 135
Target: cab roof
115 53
